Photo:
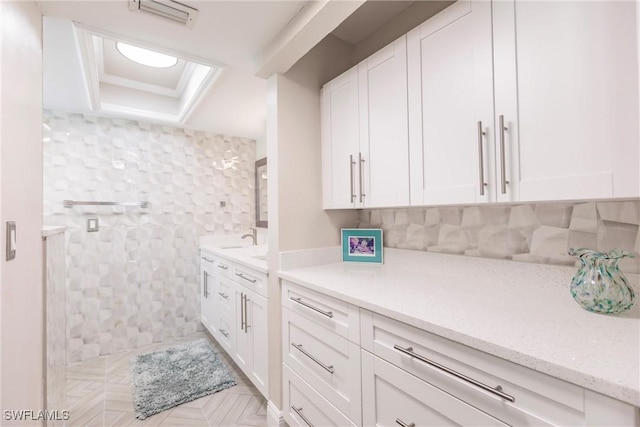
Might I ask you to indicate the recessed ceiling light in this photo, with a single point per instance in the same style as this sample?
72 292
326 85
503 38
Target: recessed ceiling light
145 56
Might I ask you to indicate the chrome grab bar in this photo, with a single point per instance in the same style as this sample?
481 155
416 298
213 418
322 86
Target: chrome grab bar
324 313
71 203
328 368
497 390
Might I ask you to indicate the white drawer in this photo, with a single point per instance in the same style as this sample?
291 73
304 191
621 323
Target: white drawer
207 260
304 407
326 361
251 279
225 296
223 267
535 393
333 314
392 397
226 333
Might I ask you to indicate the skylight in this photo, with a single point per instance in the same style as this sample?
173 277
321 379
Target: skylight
145 56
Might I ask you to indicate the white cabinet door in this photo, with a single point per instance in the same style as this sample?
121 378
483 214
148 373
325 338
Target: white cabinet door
340 140
566 78
251 337
383 178
450 74
391 397
208 301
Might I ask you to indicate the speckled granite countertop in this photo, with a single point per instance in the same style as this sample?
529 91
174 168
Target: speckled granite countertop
517 311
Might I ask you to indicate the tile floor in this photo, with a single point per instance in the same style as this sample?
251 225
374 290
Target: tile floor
99 394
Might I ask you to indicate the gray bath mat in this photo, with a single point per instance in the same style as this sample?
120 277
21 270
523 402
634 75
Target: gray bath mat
179 374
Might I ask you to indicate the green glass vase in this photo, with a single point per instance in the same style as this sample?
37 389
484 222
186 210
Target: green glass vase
599 285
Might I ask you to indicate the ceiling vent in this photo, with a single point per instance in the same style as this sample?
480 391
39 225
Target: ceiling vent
170 9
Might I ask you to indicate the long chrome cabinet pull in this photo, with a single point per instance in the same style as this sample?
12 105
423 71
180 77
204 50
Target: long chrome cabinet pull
328 368
361 171
241 311
223 295
246 278
207 259
324 313
351 188
481 133
246 315
206 284
497 390
299 412
403 424
503 161
223 332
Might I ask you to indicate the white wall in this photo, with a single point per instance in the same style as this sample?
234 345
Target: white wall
261 147
296 217
21 201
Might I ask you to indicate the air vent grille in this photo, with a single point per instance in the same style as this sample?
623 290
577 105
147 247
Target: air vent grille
169 9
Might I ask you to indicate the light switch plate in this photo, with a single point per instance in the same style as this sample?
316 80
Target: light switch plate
92 224
11 240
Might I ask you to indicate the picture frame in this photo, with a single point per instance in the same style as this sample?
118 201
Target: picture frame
362 245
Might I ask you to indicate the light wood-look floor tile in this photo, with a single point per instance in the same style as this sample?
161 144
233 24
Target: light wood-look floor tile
99 394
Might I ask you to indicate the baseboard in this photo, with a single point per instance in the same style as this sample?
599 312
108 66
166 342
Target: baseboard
274 416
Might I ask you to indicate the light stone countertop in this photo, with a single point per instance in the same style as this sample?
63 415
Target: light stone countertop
520 312
252 256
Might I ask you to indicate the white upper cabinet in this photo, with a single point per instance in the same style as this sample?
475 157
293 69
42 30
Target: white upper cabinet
566 84
365 151
384 148
451 106
340 140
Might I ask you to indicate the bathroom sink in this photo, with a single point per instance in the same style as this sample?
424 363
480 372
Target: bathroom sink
231 246
260 257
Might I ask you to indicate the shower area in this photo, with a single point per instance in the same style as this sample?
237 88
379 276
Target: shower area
131 268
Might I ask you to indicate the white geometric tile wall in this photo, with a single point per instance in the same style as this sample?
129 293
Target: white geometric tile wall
539 233
136 280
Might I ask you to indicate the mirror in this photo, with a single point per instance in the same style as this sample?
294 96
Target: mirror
261 192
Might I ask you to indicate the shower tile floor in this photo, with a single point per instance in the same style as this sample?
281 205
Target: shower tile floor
99 394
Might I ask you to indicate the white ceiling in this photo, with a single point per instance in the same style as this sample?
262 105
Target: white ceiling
230 33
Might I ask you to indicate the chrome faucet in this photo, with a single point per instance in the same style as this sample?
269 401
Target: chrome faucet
253 235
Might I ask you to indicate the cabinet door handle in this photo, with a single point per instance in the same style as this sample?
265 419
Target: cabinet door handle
481 133
223 295
207 259
222 266
351 186
242 311
497 390
328 368
246 278
324 313
206 284
299 412
223 332
246 315
503 161
361 171
403 424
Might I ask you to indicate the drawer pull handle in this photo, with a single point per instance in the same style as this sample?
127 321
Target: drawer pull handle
497 390
207 259
246 278
223 295
324 313
299 412
223 332
222 266
310 356
403 424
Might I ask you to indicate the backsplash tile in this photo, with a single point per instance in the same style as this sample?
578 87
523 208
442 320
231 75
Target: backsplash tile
537 232
136 280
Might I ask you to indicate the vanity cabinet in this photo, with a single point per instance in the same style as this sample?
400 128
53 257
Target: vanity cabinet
365 145
234 310
524 101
